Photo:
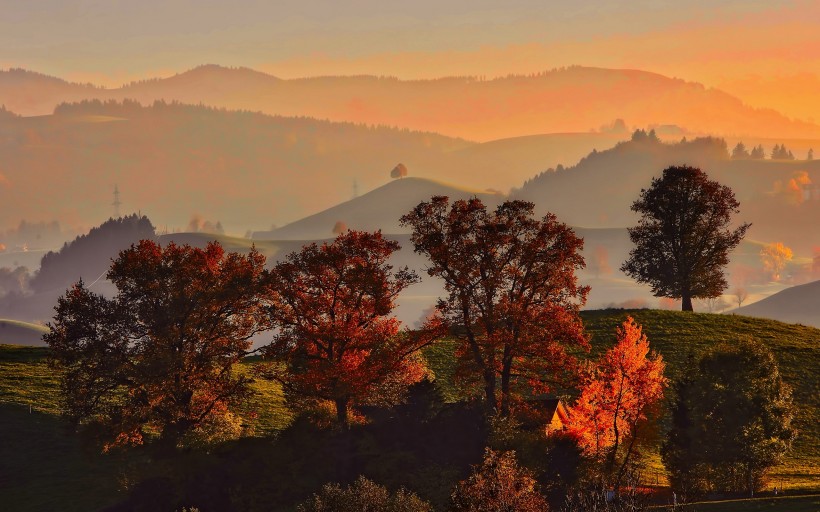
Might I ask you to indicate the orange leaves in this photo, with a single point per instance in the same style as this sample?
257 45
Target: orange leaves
332 307
620 389
157 358
512 293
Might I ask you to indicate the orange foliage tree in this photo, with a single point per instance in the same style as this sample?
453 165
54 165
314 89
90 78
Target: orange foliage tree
499 484
774 257
337 338
513 296
158 356
615 403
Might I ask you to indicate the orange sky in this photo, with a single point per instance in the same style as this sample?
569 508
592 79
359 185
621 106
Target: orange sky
767 53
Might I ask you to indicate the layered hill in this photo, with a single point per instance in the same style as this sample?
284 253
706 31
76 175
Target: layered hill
574 99
599 190
797 304
378 209
21 333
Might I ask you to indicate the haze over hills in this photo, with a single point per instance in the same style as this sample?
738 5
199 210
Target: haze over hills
378 209
244 169
599 190
573 99
797 305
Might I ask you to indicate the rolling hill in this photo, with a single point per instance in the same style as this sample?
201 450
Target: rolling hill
599 190
378 209
573 99
797 305
21 333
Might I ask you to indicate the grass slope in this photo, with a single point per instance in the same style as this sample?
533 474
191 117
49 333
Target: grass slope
677 335
89 481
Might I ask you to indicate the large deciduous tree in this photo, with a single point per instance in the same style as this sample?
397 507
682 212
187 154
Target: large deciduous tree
513 296
158 357
337 338
731 420
682 241
617 400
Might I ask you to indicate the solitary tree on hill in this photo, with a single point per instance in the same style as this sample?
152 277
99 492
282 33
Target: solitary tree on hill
682 241
400 171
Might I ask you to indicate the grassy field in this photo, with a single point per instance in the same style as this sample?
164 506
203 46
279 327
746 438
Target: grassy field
677 335
32 432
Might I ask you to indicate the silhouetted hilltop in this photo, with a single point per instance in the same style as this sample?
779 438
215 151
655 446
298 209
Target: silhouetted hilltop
572 99
599 191
378 209
795 305
21 333
89 256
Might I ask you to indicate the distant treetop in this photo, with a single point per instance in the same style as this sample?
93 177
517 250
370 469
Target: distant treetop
400 171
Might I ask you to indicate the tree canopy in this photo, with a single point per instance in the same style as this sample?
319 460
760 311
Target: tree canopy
512 293
616 401
157 358
336 335
682 241
731 420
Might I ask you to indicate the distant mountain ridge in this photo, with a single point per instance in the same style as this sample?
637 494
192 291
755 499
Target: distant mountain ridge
573 99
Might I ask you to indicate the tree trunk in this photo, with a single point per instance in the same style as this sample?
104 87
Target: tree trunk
341 412
506 371
489 390
686 302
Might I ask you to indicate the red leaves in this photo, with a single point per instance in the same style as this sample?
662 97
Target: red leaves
331 305
157 358
513 297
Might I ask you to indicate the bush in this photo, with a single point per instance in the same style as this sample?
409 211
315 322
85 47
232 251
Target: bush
363 496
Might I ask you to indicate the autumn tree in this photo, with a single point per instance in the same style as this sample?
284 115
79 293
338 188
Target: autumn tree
512 293
363 496
400 171
731 420
774 257
336 336
617 400
498 485
682 241
157 358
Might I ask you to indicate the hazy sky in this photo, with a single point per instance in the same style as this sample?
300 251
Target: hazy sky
766 52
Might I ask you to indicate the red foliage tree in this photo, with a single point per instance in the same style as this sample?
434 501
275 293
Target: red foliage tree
622 388
499 485
158 356
336 337
513 297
